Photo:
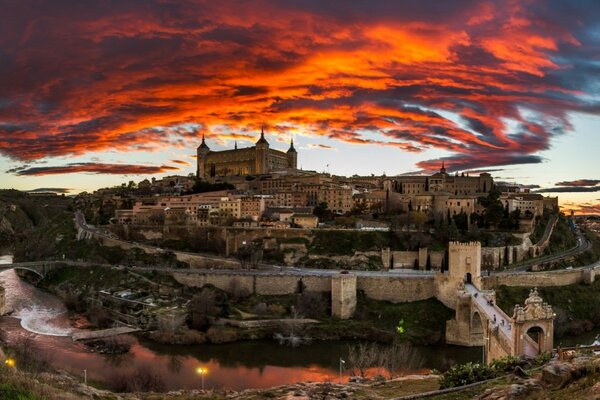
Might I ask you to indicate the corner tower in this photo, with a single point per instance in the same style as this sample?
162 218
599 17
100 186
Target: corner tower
292 156
262 154
201 153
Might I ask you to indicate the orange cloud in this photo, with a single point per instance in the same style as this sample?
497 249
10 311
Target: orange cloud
445 75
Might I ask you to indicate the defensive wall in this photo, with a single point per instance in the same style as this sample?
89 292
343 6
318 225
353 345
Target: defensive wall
394 289
543 279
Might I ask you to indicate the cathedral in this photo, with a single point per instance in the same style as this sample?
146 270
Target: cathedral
255 160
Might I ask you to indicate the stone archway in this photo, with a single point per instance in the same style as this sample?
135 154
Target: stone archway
476 328
533 327
468 278
534 336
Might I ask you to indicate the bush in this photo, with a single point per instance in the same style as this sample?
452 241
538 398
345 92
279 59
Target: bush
141 380
465 374
113 344
100 317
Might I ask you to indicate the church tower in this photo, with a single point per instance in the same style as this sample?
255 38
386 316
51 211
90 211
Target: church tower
262 154
201 154
292 156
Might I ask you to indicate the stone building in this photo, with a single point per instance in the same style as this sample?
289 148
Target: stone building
457 185
255 160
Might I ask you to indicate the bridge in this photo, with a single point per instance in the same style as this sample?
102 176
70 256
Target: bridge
40 268
480 322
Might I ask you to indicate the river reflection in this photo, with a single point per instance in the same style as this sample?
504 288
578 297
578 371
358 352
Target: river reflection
236 366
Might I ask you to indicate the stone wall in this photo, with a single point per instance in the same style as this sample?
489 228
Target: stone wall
397 289
407 259
394 289
458 330
499 346
531 279
493 258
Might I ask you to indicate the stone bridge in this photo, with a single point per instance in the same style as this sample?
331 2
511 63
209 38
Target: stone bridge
480 322
40 268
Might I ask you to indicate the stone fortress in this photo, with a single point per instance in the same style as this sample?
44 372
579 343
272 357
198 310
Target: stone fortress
256 160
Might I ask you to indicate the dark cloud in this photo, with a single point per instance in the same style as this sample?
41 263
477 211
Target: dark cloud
570 189
54 190
97 168
579 182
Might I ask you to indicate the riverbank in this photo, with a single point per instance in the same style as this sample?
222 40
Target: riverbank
576 375
174 313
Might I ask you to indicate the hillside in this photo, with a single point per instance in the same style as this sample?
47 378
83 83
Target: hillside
30 226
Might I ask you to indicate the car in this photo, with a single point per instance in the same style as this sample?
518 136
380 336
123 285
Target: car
344 271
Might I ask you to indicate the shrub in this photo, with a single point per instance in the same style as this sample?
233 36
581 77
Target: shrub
100 317
465 374
113 344
141 380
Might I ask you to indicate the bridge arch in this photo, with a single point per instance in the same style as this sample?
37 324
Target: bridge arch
35 271
477 330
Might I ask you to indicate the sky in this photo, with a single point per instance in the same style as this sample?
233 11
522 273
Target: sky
95 93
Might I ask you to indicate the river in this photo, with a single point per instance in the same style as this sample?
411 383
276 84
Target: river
241 365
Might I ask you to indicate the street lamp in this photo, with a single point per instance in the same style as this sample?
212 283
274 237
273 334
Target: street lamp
10 362
202 371
342 362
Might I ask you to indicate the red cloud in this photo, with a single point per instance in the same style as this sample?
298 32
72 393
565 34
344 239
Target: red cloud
140 76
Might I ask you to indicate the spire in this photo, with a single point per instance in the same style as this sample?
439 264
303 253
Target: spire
262 135
203 145
443 170
235 147
292 149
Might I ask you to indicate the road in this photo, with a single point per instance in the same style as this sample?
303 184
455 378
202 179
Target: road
582 245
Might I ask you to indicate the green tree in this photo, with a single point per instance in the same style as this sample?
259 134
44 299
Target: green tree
323 212
493 209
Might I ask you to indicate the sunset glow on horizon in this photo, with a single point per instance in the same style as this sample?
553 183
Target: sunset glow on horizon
98 93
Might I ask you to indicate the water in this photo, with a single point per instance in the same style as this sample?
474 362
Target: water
38 311
254 364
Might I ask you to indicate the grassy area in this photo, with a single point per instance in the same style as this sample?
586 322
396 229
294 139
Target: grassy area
78 277
540 226
424 322
562 238
577 307
593 254
347 242
10 392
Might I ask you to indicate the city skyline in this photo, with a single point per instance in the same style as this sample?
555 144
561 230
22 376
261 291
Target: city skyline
96 95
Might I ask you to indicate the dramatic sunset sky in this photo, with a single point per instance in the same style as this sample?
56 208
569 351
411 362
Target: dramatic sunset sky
95 93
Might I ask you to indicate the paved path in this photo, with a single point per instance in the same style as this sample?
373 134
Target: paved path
490 310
